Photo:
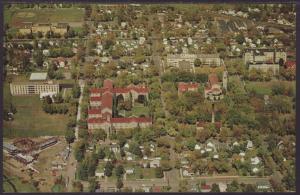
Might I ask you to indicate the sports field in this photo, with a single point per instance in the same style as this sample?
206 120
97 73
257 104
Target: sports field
15 17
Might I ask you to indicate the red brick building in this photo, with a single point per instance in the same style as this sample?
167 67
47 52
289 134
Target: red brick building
100 114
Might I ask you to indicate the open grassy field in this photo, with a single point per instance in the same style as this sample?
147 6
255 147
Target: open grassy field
15 17
30 119
265 88
147 173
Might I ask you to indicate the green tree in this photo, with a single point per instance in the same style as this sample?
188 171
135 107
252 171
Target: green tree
77 186
215 188
108 169
119 183
89 71
93 184
79 150
159 172
101 153
100 134
76 91
197 62
70 136
119 171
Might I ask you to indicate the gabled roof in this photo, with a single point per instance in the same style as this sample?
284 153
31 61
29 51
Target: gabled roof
290 64
130 120
95 99
108 84
213 79
96 120
95 90
121 90
94 111
107 100
185 86
139 89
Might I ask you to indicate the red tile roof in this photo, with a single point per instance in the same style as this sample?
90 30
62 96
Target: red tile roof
96 99
290 64
182 87
121 90
107 100
96 120
95 90
139 89
108 84
94 111
205 187
213 79
131 120
157 189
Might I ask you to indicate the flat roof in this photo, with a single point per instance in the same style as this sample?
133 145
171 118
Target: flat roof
38 76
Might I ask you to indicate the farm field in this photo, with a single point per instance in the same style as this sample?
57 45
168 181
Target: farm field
15 17
31 121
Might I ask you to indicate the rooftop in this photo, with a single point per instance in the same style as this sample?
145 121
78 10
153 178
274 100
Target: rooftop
38 76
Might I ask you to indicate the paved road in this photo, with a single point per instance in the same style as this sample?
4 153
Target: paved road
81 84
70 172
227 179
72 163
134 184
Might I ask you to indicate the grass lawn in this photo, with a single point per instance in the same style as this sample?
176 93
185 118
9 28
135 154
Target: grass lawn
78 29
148 173
261 88
58 188
15 17
30 119
137 111
265 88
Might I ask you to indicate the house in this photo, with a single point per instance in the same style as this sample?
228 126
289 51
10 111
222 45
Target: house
222 186
255 170
100 174
156 189
187 172
11 149
213 89
154 163
183 87
255 161
263 185
197 147
290 64
61 62
129 171
126 145
205 188
249 144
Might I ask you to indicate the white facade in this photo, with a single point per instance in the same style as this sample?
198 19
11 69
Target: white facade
33 89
